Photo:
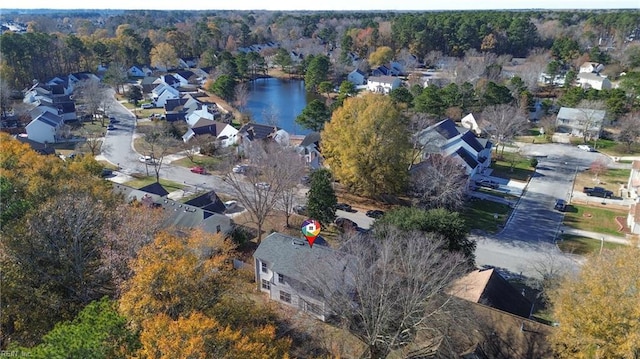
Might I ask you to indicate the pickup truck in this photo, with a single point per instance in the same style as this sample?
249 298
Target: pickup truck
598 192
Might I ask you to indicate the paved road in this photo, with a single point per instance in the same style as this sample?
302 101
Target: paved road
528 239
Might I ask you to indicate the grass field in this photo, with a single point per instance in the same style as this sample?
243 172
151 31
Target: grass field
570 243
611 180
594 219
170 186
512 166
480 214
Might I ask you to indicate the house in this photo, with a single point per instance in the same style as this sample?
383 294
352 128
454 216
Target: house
185 77
74 78
357 77
138 71
209 202
47 127
594 81
177 214
469 122
170 80
35 93
381 70
396 68
383 84
488 287
148 83
187 62
447 139
281 267
162 93
591 67
633 186
310 149
204 112
252 132
580 122
225 133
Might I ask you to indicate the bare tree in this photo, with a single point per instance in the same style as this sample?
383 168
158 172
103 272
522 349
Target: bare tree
629 130
199 144
157 143
598 167
505 122
271 115
92 141
438 182
5 97
535 65
241 95
264 183
88 95
387 290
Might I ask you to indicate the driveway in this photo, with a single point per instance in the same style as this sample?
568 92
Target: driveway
528 238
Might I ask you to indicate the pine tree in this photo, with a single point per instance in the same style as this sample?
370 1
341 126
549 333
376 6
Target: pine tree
321 202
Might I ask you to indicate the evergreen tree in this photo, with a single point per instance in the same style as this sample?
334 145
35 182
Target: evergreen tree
322 201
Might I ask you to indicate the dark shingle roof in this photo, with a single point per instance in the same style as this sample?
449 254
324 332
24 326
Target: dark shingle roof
209 202
467 157
447 129
310 139
472 141
155 188
258 131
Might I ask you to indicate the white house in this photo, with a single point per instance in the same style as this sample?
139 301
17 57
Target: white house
357 77
35 93
207 112
281 269
162 93
383 84
449 140
633 186
225 133
577 121
595 81
46 128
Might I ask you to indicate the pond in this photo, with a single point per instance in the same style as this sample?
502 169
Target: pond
278 100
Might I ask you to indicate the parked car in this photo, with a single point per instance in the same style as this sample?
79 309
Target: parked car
111 127
305 180
199 170
587 148
148 105
375 213
345 224
487 183
561 205
239 168
230 205
345 207
301 210
147 159
263 185
106 172
598 192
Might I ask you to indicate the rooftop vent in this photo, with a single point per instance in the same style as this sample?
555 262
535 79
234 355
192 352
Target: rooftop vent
297 242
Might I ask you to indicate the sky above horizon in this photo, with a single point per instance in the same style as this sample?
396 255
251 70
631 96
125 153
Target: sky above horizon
335 5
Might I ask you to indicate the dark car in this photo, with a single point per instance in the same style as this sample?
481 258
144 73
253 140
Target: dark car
301 210
107 172
345 224
561 205
487 183
375 213
345 207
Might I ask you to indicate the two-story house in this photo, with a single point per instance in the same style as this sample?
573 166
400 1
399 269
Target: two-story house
47 128
580 122
383 84
281 268
448 139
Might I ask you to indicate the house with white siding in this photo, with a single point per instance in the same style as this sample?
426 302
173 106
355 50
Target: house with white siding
383 84
46 128
589 80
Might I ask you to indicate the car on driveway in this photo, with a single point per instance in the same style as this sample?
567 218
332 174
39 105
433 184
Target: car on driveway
345 224
239 168
199 170
487 183
111 127
345 207
301 210
230 205
263 186
375 213
147 105
561 205
147 159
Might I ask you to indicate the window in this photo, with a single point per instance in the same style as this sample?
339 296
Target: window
266 285
281 278
264 267
285 297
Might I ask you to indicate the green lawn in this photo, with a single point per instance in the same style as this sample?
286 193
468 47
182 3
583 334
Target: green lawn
512 166
570 243
609 147
198 160
170 186
480 215
594 219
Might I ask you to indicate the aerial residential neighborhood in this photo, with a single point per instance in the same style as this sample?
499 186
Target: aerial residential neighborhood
475 190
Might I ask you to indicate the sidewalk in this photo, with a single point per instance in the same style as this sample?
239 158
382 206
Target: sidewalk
594 235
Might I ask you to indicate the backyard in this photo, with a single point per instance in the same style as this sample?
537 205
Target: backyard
481 214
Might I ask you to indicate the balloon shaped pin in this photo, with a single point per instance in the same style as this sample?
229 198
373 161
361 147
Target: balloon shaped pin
311 230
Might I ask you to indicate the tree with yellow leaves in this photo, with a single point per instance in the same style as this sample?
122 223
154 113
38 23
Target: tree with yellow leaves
381 56
598 309
164 55
366 145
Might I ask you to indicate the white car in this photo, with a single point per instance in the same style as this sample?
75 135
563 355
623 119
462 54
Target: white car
147 159
230 205
263 185
239 169
587 148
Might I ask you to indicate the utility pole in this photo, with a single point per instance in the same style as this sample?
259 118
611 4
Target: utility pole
573 185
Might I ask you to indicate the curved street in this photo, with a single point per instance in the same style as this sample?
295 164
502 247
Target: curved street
523 247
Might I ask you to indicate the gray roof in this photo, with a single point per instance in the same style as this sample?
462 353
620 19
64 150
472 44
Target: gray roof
50 119
591 76
581 114
290 256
